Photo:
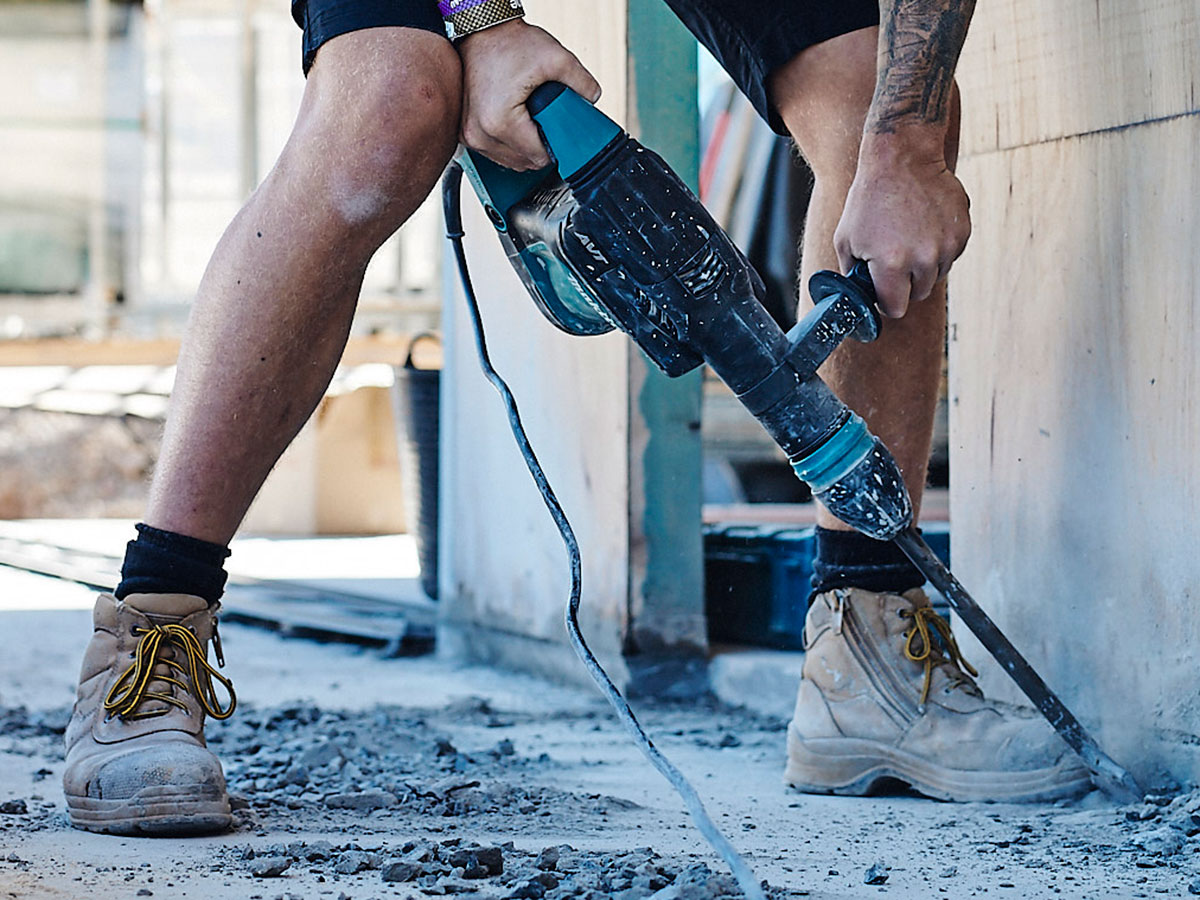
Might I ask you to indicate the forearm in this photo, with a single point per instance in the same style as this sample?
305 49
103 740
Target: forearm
919 45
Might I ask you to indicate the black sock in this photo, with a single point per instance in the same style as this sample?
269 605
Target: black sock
163 562
850 559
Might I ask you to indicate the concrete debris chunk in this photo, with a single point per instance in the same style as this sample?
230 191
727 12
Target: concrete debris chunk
14 808
317 851
877 874
320 755
297 775
477 862
444 787
362 801
270 866
1163 841
527 890
400 871
354 861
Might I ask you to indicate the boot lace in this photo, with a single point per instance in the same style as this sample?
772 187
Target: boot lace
920 647
132 688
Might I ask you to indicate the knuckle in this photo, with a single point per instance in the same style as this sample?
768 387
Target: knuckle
490 123
473 136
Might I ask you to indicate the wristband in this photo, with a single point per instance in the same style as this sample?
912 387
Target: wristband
463 17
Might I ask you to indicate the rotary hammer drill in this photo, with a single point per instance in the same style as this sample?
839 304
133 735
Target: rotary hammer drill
608 237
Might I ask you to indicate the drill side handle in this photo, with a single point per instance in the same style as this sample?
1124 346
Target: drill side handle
845 307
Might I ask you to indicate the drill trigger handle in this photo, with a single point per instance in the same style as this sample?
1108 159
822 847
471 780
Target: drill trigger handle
543 95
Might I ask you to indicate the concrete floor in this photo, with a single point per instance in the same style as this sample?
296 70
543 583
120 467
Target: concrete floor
591 788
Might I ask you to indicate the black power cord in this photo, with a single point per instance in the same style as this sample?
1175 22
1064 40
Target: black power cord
452 207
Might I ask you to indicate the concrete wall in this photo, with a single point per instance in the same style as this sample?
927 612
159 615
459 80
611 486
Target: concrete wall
619 445
1075 424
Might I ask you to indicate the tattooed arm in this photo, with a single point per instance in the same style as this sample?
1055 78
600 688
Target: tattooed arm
906 213
919 43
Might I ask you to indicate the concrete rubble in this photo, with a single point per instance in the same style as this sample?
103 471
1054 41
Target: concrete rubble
364 778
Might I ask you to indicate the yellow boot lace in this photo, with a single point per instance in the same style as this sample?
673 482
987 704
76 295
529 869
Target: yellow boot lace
926 622
131 689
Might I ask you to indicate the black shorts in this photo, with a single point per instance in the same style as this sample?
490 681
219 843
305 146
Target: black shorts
750 38
323 20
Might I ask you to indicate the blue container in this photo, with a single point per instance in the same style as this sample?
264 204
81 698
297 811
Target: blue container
758 578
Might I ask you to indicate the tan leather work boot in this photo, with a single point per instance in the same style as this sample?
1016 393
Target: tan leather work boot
884 695
136 758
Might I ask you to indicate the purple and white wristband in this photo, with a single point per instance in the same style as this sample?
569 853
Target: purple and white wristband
463 17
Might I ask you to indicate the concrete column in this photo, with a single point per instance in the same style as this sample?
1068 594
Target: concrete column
1075 424
667 628
620 448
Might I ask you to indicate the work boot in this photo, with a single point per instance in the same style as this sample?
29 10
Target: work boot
886 694
136 758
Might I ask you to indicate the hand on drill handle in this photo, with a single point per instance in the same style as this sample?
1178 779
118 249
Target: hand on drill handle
906 215
501 67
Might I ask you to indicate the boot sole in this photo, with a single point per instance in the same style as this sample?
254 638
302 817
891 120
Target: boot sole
855 767
153 811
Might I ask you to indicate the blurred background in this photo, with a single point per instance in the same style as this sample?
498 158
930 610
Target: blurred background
130 134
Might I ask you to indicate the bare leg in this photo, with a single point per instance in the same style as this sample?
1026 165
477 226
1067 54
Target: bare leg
377 125
823 96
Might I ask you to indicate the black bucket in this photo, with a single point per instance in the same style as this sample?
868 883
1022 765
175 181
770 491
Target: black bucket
416 406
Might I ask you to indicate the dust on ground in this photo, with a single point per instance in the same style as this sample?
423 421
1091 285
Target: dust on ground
433 779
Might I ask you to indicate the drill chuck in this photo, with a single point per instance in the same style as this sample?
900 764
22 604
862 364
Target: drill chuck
857 480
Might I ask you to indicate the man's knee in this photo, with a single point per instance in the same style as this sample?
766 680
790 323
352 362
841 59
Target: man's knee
823 95
380 116
402 96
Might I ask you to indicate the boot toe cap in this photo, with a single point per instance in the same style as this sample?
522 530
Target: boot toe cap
128 772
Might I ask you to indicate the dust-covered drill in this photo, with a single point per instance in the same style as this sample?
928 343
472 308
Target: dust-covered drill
613 239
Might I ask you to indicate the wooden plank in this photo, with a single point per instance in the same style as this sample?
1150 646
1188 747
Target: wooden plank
1038 71
934 509
405 623
384 348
